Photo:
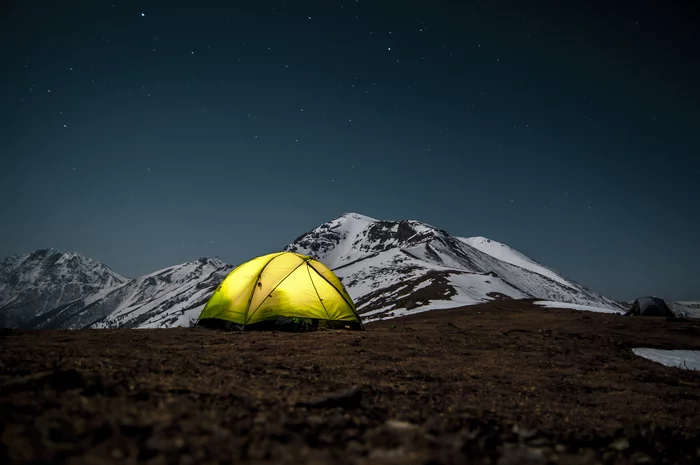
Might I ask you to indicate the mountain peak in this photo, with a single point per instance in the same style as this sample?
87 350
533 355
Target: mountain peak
383 264
39 254
44 251
353 236
215 261
37 282
357 216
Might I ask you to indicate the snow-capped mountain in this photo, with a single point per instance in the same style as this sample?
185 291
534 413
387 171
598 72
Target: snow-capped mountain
170 297
685 308
390 268
33 284
512 256
393 268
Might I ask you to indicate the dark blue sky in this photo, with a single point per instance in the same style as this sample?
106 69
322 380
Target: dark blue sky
148 133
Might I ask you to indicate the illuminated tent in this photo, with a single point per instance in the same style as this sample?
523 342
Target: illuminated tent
280 287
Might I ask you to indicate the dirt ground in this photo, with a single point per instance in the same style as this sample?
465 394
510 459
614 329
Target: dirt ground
504 382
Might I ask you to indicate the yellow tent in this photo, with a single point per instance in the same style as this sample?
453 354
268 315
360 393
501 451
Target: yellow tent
279 285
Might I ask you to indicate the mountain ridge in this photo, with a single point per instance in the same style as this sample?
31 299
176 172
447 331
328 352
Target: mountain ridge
174 295
35 283
408 256
390 268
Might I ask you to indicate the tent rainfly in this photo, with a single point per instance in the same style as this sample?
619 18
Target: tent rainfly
280 290
649 306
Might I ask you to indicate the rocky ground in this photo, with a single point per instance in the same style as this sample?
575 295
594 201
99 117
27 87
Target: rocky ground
504 382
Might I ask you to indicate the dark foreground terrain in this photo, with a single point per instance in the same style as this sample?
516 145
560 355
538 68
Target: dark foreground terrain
503 383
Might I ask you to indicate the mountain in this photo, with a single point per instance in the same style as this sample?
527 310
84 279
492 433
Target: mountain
390 268
170 297
33 284
394 268
685 308
512 256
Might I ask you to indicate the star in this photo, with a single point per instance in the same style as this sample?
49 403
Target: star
142 15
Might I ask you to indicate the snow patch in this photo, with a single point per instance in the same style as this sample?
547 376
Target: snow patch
685 359
512 256
587 308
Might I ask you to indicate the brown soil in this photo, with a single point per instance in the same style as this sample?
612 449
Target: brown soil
504 382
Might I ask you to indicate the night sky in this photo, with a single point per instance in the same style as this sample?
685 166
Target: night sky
148 133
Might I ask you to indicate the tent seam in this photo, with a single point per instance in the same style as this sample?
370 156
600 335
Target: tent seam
352 307
271 291
255 285
316 290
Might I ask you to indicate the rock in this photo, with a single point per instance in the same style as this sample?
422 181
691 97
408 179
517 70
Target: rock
399 425
620 444
348 399
524 433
